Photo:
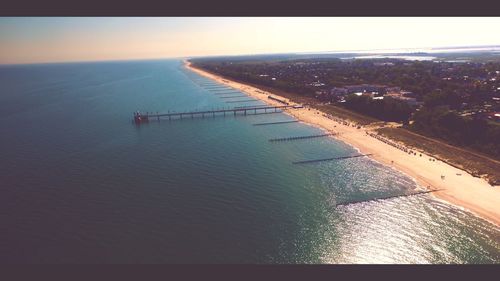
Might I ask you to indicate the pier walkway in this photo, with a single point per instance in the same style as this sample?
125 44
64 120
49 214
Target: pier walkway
388 197
274 123
141 118
248 106
300 137
236 101
226 93
330 159
231 97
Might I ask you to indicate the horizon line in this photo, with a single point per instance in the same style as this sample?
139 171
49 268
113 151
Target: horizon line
375 51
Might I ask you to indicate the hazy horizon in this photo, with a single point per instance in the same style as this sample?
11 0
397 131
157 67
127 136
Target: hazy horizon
27 40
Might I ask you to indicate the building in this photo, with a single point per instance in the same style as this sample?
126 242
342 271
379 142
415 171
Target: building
494 116
338 92
317 84
405 96
393 89
367 88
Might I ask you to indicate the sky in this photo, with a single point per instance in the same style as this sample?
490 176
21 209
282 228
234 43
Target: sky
55 39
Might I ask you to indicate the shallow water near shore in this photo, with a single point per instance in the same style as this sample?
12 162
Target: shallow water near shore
81 183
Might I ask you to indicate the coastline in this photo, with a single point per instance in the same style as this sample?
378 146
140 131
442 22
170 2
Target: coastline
458 187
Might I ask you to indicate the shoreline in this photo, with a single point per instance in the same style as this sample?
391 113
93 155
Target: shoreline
457 187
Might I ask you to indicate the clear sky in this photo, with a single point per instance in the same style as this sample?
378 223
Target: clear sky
32 40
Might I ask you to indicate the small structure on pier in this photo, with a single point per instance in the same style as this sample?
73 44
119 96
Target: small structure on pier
139 118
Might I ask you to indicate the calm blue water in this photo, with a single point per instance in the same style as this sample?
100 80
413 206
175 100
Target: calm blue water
80 183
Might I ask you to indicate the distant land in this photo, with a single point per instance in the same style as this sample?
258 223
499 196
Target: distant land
444 53
445 105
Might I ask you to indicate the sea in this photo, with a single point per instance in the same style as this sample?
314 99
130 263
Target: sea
80 182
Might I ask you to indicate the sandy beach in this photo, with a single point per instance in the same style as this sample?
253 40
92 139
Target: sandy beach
454 185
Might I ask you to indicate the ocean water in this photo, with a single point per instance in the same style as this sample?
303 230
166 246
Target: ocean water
81 183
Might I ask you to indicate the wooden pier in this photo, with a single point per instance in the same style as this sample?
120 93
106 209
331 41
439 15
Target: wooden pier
143 118
300 137
275 123
386 198
236 101
221 89
330 159
232 97
226 93
247 106
217 88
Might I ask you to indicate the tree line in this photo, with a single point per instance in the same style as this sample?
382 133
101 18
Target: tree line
445 88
